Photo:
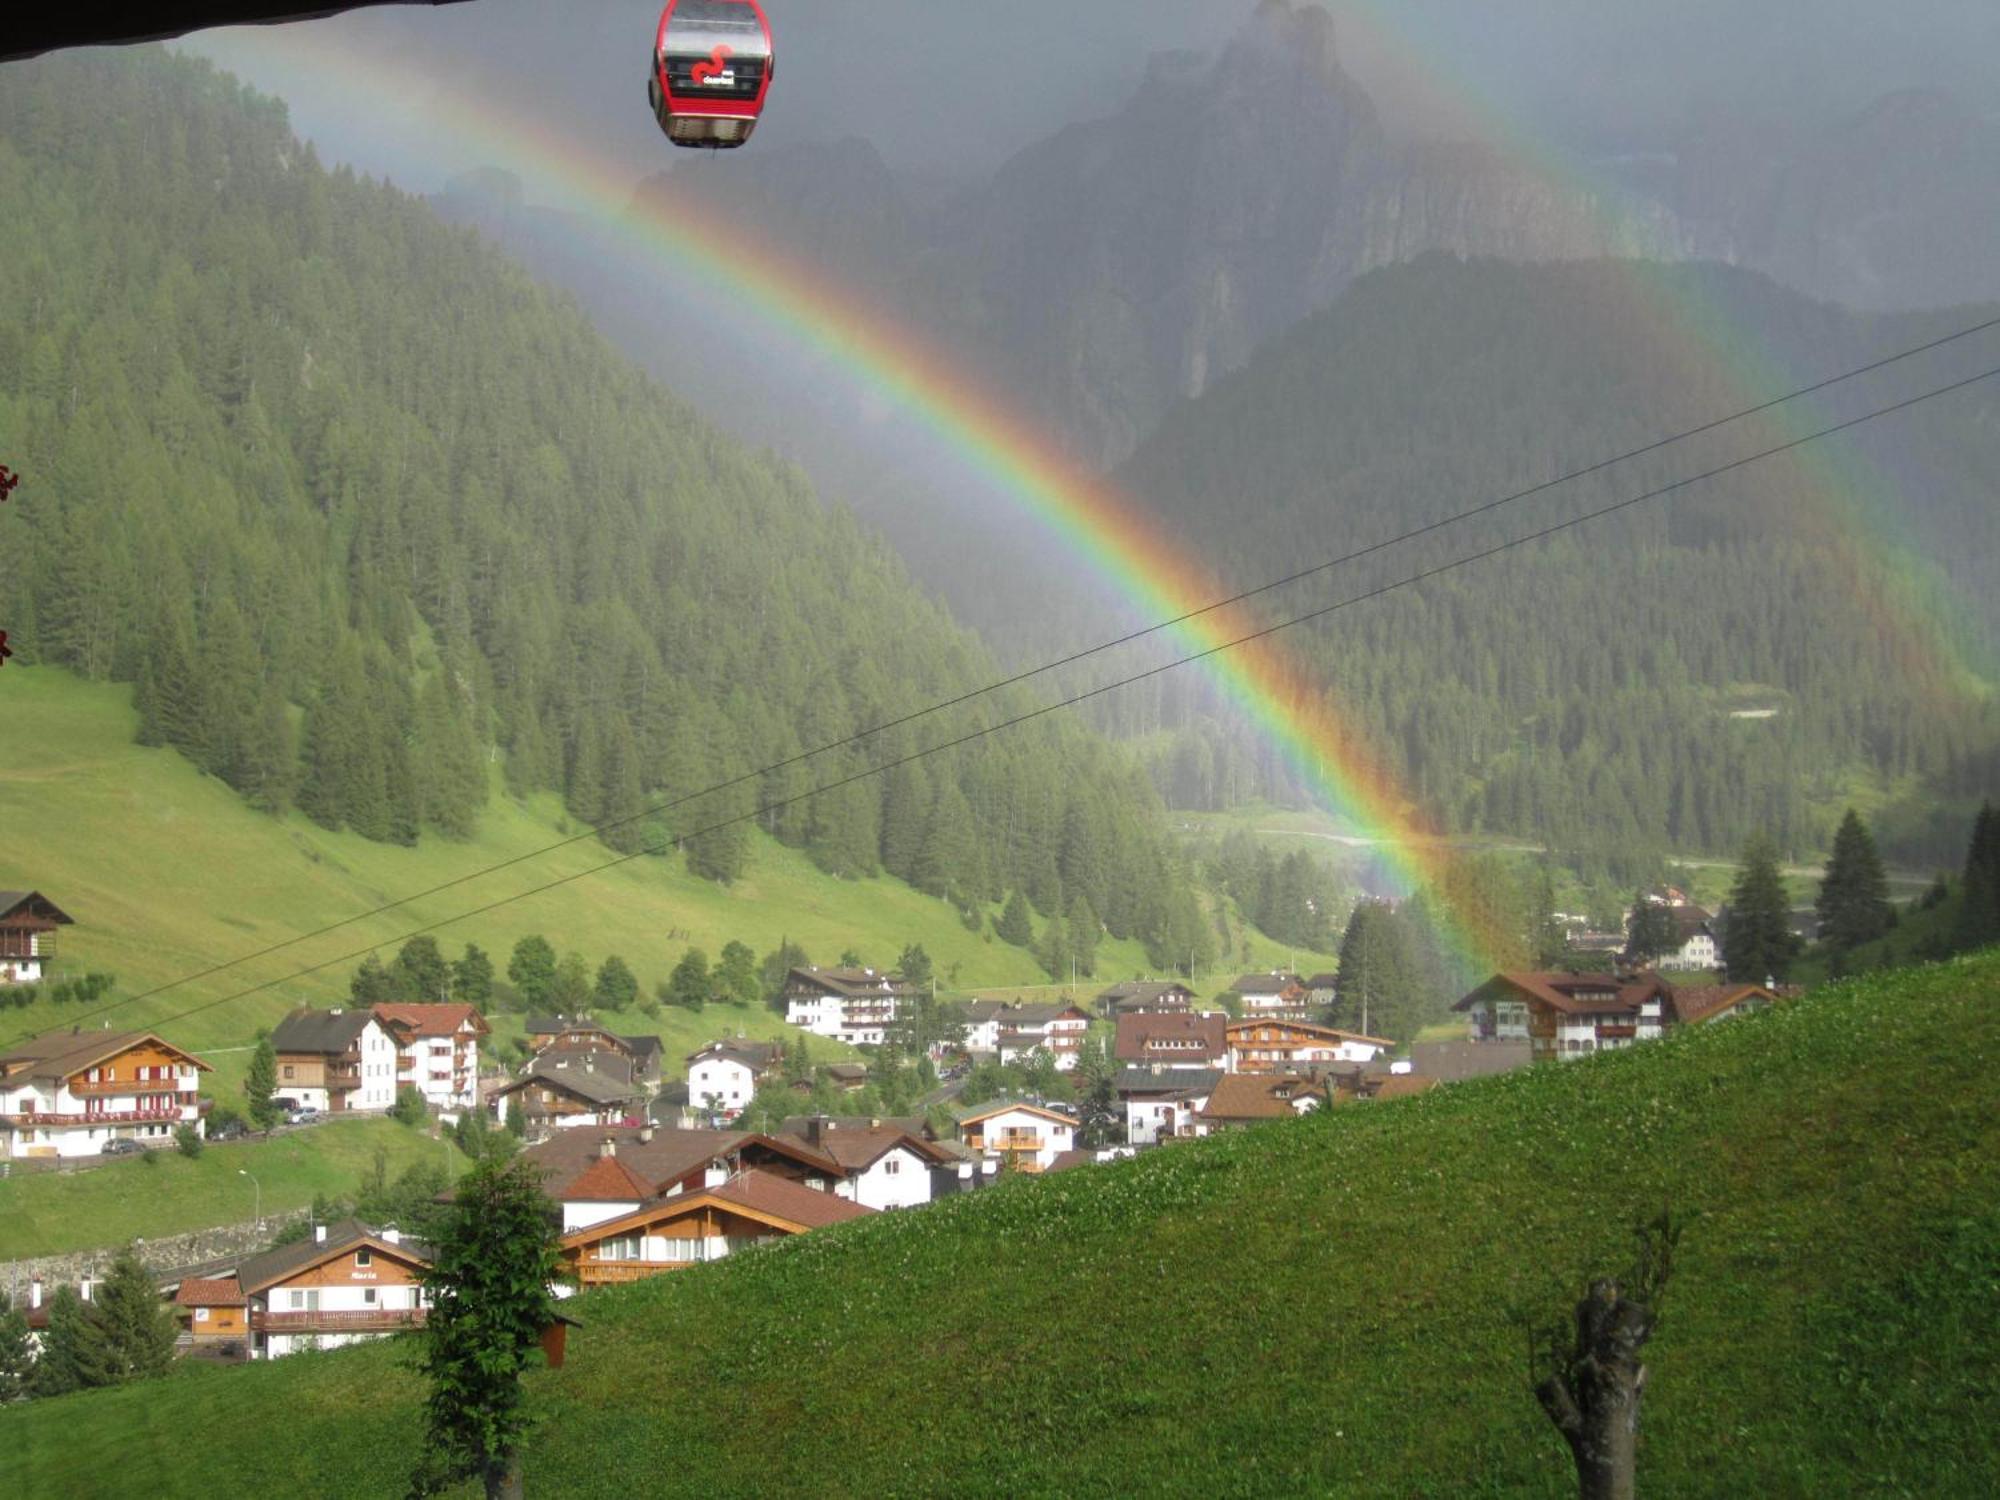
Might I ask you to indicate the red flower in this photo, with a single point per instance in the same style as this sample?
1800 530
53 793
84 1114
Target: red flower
8 479
5 650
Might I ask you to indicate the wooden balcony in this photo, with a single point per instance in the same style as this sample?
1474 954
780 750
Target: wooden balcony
592 1273
103 1087
102 1117
321 1320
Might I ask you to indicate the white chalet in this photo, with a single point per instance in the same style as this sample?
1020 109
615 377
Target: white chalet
1027 1136
67 1093
437 1051
28 923
723 1076
856 1006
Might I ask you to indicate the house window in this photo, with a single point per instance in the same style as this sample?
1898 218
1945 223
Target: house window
201 1315
893 1166
364 1257
368 1296
622 1247
288 1070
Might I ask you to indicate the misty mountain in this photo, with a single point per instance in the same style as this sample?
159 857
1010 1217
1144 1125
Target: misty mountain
1743 654
360 509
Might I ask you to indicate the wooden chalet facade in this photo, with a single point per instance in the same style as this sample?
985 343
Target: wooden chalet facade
566 1090
342 1061
1569 1015
691 1228
1272 996
1145 997
69 1093
347 1284
1242 1099
1182 1040
1274 1045
28 923
572 1034
856 1006
1025 1137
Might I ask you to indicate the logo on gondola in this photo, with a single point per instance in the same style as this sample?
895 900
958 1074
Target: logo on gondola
714 70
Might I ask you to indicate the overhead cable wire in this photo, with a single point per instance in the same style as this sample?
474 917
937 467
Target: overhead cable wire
1264 632
1015 679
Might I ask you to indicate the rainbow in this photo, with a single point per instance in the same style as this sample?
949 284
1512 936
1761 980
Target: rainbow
1119 543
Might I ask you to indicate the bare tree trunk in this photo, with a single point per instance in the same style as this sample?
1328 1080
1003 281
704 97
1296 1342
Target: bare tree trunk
1594 1401
503 1476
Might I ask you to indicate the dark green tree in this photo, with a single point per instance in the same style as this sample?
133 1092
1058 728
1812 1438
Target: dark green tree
777 964
1099 1120
1379 981
260 1083
135 1324
569 992
736 978
915 966
688 986
375 983
1652 932
532 970
73 1356
16 1367
616 987
488 1289
472 978
1979 908
422 970
1853 904
1757 940
410 1107
1017 923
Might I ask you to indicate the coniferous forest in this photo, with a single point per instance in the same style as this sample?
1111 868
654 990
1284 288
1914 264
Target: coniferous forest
1736 656
360 511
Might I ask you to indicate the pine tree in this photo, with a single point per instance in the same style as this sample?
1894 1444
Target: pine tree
260 1083
1016 924
736 977
15 1365
1853 905
915 966
422 972
1757 941
569 991
374 983
1054 951
72 1352
1084 930
1979 909
1651 932
532 970
472 978
137 1327
1096 1079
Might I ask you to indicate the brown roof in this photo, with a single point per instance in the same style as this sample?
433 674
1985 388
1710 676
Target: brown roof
1704 1002
782 1198
31 909
1566 992
203 1292
607 1180
1140 1037
858 1150
1264 984
1062 1161
431 1020
61 1054
1463 1058
784 1204
665 1159
343 1237
1310 1028
1252 1096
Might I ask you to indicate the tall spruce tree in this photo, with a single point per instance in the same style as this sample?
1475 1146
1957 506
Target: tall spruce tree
1017 923
1651 932
16 1365
1979 909
260 1083
136 1326
72 1352
532 969
1757 940
472 977
1853 904
422 971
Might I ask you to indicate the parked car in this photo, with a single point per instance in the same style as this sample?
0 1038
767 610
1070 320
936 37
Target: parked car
120 1146
305 1114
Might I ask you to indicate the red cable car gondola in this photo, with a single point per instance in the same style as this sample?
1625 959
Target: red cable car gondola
711 70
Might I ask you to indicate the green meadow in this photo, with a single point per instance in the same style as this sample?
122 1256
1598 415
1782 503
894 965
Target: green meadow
1330 1306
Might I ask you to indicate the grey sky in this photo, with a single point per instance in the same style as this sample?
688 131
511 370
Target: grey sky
956 85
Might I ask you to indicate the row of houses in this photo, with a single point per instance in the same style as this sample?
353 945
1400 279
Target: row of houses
357 1058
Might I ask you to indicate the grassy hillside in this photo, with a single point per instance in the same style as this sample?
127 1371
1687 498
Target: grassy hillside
1325 1307
164 1193
168 872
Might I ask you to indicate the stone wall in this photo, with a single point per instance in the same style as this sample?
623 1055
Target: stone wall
164 1257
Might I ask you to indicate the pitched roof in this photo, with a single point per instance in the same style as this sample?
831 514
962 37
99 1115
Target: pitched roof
607 1180
1254 1096
1323 981
343 1237
1575 994
550 1025
858 1150
797 1125
848 982
1062 1161
1696 1003
60 1054
1460 1057
597 1084
756 1056
668 1157
1168 1082
308 1030
31 909
1263 984
1310 1028
782 1198
980 1112
432 1020
1142 1038
202 1291
1128 993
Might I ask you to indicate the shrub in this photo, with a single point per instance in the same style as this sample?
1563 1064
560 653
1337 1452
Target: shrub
187 1140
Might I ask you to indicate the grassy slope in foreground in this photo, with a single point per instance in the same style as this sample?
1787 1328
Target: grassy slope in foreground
1313 1307
168 872
165 1193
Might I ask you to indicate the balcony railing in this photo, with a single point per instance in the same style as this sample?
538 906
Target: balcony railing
102 1117
607 1273
82 1087
322 1320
